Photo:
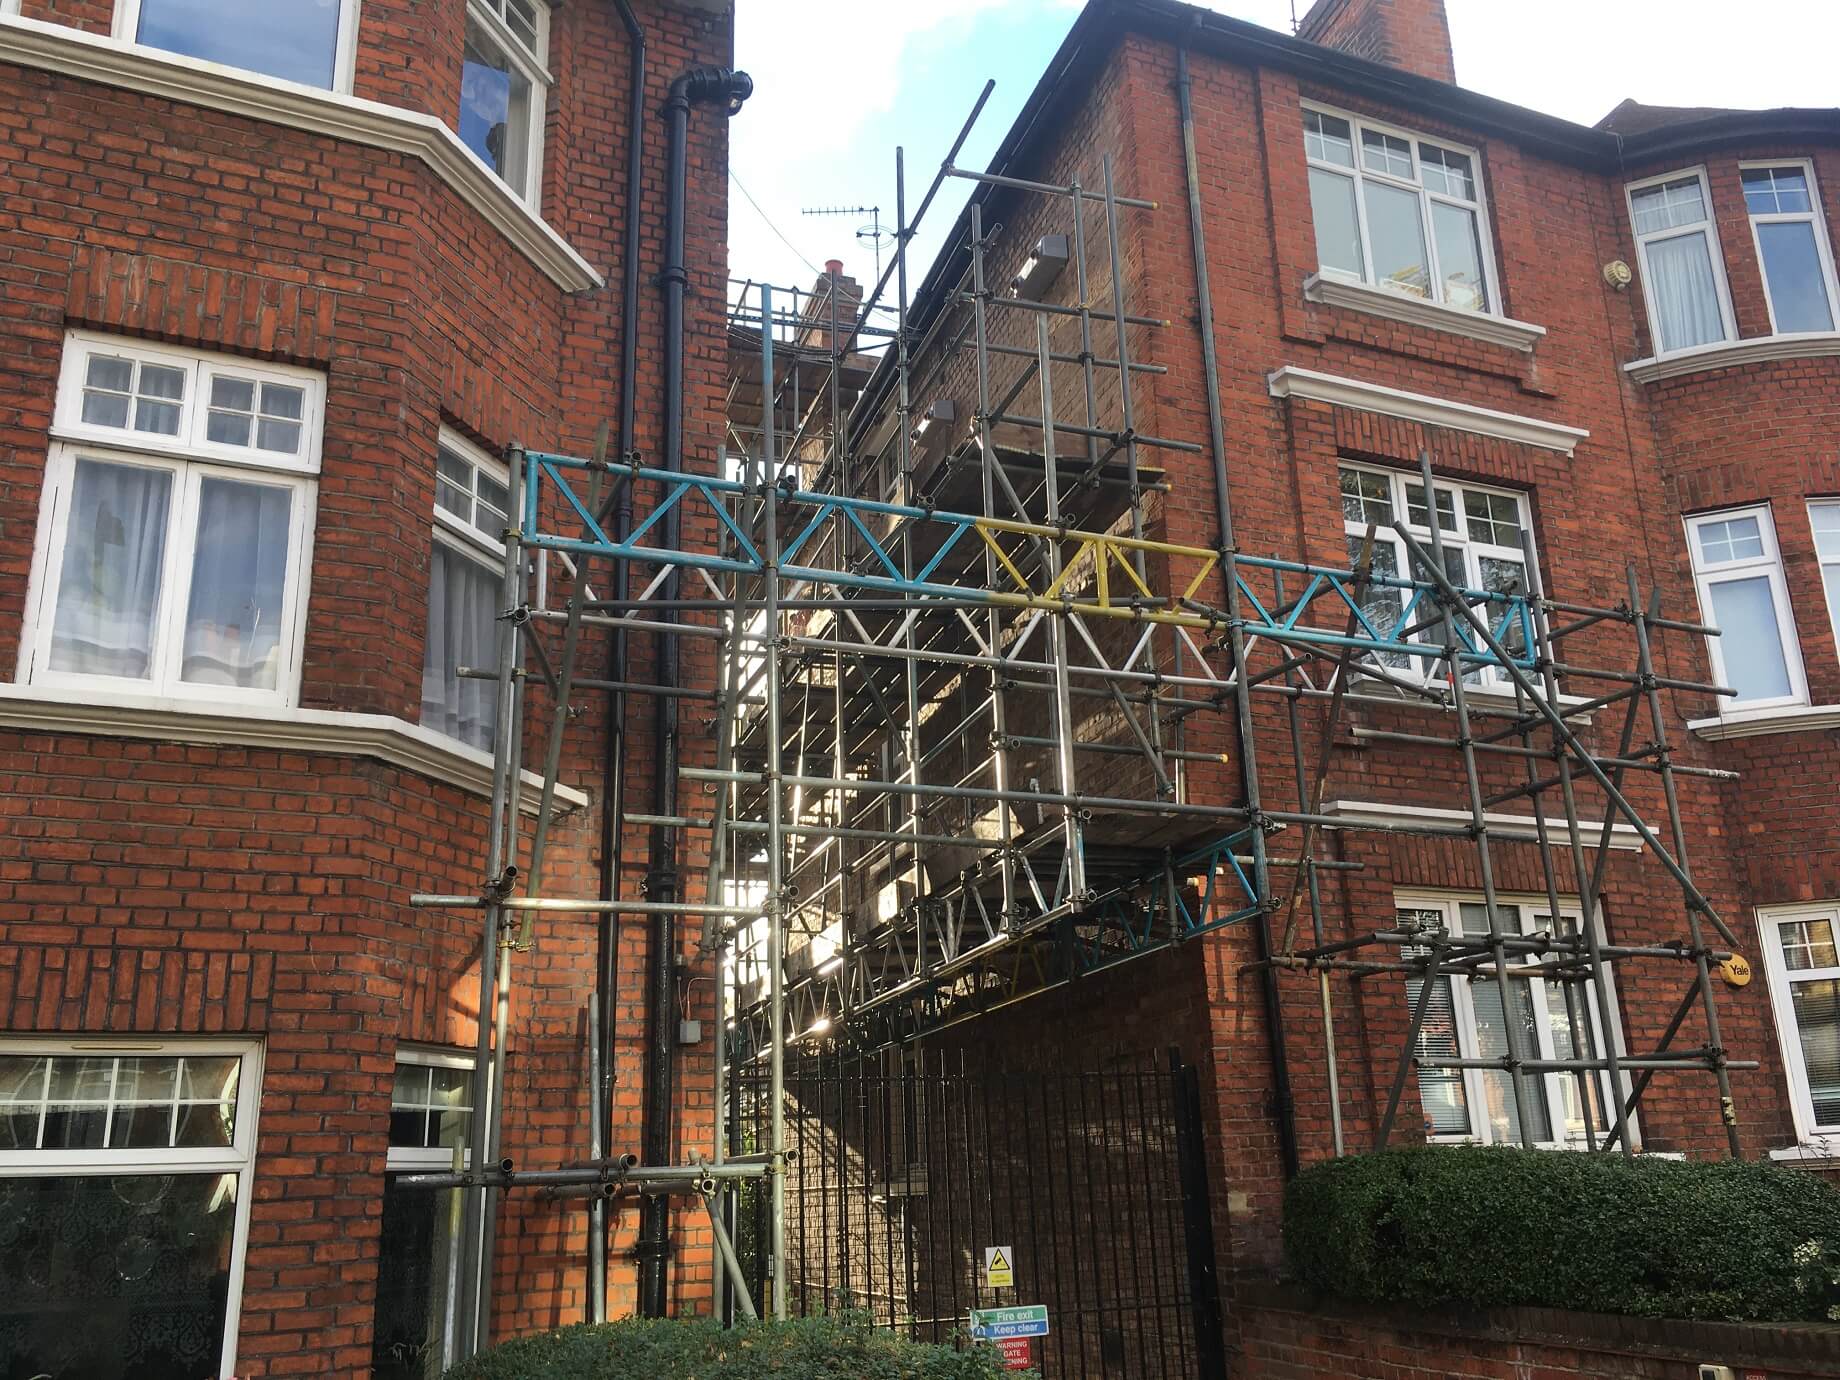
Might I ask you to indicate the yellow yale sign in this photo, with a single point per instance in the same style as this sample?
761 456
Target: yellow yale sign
999 1272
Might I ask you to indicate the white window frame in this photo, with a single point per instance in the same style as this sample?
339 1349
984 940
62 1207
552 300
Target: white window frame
344 53
1823 563
1788 1035
1816 215
1399 482
190 459
1711 226
467 539
239 1158
1360 173
402 1159
1769 563
534 66
1530 907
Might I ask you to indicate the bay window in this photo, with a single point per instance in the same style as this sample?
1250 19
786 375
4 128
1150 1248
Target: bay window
1398 211
311 42
1738 571
465 589
1803 964
125 1170
1792 249
1683 273
175 525
1469 1017
504 89
418 1267
1481 532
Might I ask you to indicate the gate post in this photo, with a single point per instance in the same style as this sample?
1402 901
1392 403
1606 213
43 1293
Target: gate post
1197 1221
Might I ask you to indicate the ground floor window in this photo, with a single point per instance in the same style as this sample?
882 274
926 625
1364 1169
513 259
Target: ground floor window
1801 954
124 1205
1470 1017
418 1264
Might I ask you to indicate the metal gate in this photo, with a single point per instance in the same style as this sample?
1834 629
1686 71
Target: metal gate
908 1166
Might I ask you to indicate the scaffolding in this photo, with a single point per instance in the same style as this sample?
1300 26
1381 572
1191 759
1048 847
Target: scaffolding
979 731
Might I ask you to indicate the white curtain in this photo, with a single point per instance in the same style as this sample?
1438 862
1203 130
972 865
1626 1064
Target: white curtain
1684 292
239 579
109 588
462 631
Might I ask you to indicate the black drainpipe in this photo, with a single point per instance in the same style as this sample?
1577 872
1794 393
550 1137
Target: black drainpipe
726 88
1284 1110
613 762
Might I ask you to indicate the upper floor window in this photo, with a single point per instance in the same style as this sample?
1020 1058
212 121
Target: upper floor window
1481 531
1683 275
307 41
1738 570
465 591
1468 1018
1398 211
125 1170
504 89
1792 248
175 524
1824 518
1803 963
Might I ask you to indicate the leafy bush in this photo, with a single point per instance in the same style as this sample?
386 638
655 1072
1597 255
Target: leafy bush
1493 1227
847 1348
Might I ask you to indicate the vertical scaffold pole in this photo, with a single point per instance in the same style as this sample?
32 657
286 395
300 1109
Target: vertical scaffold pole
1075 863
775 907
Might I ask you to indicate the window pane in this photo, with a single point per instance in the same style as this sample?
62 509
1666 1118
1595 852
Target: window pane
1446 505
1459 246
1729 539
1398 239
521 17
1817 1022
1384 153
1366 497
462 631
1825 519
494 107
1683 291
1792 268
296 42
1775 191
115 1275
1577 1095
1338 232
1327 139
239 579
1492 1043
1807 944
1493 518
1383 604
417 1269
1440 1090
109 584
1669 206
1447 171
1750 646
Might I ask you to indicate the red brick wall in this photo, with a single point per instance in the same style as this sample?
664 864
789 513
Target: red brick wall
1409 34
147 886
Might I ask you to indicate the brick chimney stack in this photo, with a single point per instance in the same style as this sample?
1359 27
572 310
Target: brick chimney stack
1412 35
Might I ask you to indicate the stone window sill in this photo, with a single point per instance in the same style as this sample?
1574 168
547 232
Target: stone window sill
1729 354
1817 1148
1759 723
35 709
1413 311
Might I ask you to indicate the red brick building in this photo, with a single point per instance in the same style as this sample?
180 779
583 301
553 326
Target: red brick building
278 284
1618 341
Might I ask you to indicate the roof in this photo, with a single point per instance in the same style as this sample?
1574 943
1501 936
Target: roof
1631 133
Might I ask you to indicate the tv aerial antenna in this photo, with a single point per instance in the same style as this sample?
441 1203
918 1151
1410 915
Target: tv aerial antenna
875 234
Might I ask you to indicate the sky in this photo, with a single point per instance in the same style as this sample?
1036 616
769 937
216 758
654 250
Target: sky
839 83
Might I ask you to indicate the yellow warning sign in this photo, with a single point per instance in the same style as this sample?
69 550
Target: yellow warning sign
999 1273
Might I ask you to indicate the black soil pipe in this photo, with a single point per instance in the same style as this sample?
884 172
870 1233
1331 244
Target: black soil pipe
726 89
613 762
1284 1108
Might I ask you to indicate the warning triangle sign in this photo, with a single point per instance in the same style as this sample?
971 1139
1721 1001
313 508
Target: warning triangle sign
998 1272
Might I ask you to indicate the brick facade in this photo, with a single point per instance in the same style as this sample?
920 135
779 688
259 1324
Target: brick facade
178 887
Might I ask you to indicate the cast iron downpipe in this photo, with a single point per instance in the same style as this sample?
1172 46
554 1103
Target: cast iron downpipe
1284 1109
613 762
727 89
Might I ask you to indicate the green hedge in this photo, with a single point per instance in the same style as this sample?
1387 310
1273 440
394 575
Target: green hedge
1480 1227
848 1348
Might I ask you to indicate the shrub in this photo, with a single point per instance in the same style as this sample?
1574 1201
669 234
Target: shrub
847 1348
1480 1227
